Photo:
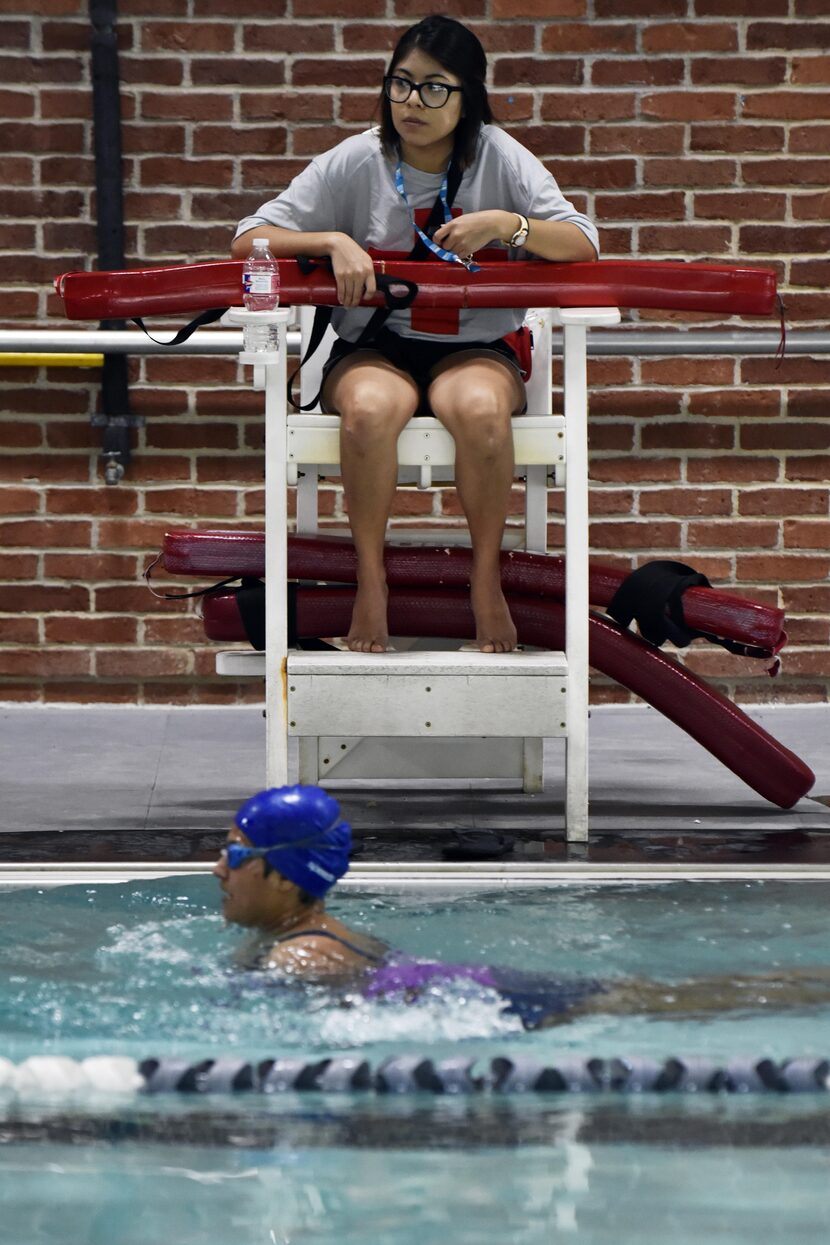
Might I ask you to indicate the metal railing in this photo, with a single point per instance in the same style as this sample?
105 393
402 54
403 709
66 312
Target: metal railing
624 341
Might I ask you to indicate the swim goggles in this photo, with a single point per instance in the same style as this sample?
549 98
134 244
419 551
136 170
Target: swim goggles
235 854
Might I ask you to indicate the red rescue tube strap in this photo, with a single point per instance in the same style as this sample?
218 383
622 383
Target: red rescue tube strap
331 558
721 289
744 747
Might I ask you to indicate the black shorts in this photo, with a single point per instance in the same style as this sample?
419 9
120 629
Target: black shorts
417 357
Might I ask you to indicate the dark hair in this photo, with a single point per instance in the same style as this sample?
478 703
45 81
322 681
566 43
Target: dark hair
458 50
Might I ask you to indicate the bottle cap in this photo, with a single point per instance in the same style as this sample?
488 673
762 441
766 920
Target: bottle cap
260 242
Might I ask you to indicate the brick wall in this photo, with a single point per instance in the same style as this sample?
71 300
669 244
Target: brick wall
687 128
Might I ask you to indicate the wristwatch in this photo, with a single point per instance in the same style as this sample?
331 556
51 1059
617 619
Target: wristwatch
520 236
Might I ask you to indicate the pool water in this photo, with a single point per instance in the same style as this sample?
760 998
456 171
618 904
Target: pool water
147 969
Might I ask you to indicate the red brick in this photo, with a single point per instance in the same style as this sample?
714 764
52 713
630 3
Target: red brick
181 106
186 630
638 71
45 662
783 501
353 72
509 107
686 501
187 37
783 172
410 501
687 371
124 599
218 470
795 369
16 105
610 437
762 36
810 70
784 568
21 436
812 600
138 139
648 9
595 174
87 567
267 9
167 170
603 106
631 534
139 663
18 566
184 369
631 470
80 501
788 105
19 501
816 467
635 402
809 138
155 70
808 631
462 8
40 533
54 468
810 272
70 435
196 503
729 138
40 599
812 206
688 105
738 205
740 71
306 38
105 630
37 69
545 10
266 140
809 404
655 205
586 38
291 106
689 173
687 436
648 139
805 534
690 37
780 435
130 533
95 691
308 140
733 535
18 631
697 240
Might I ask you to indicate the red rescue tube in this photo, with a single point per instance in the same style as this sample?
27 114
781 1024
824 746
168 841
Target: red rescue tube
721 289
332 559
744 747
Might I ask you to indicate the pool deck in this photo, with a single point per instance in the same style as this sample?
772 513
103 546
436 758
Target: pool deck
92 783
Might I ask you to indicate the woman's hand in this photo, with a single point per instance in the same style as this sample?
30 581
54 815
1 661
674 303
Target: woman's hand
466 234
353 270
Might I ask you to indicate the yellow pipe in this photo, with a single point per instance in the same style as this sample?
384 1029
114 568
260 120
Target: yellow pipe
51 360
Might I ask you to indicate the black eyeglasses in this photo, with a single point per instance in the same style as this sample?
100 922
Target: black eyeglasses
433 94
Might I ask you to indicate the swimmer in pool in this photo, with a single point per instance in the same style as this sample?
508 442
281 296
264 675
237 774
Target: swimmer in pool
288 847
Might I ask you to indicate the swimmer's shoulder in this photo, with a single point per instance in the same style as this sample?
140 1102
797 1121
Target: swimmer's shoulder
324 953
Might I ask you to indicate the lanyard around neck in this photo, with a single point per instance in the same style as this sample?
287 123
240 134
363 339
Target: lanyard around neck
428 242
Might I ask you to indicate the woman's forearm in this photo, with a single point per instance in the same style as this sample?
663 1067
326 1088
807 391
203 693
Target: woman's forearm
559 240
284 243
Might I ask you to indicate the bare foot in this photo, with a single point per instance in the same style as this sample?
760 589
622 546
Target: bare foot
495 630
368 632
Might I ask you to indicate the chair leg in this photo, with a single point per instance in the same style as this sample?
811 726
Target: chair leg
533 774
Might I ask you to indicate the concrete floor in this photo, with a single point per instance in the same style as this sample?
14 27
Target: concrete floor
115 783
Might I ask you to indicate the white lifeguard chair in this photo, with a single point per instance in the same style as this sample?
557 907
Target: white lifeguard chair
424 697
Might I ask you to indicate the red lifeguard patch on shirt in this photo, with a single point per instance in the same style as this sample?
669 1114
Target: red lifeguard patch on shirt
438 320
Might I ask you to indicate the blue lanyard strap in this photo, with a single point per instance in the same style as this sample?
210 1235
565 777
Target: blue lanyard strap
433 246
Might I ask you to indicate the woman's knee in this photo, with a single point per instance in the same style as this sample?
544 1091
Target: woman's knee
484 424
371 411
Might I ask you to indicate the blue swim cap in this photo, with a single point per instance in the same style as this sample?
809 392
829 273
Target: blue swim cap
302 824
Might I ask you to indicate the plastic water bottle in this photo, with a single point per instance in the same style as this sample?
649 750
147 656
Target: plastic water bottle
260 292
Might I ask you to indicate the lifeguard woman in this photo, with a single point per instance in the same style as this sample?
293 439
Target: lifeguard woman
373 193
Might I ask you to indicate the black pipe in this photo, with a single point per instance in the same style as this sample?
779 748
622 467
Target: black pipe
115 419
